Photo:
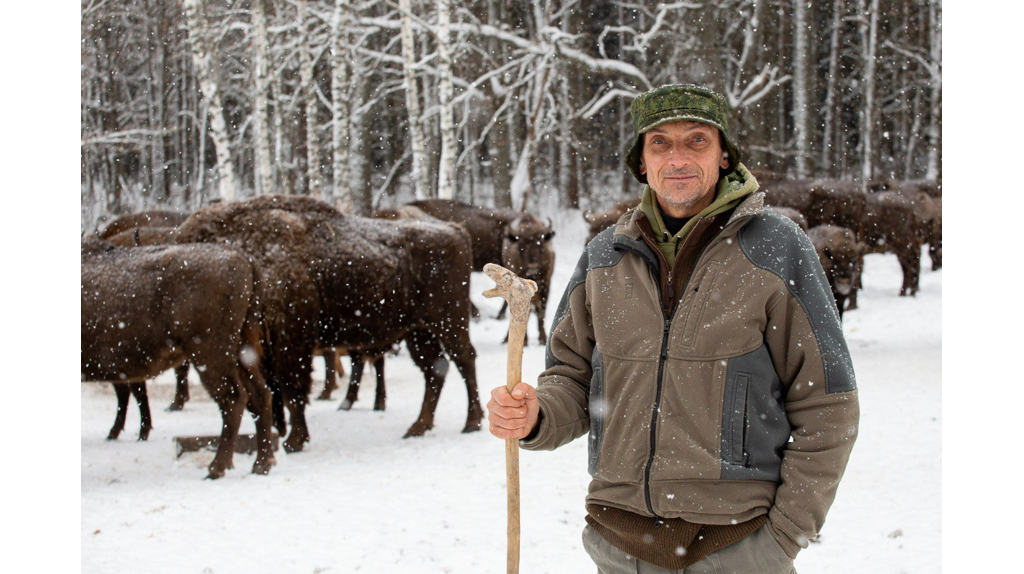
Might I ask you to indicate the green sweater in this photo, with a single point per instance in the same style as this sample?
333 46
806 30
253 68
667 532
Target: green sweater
729 193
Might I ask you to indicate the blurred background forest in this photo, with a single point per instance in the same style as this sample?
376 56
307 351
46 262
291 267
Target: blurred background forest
372 103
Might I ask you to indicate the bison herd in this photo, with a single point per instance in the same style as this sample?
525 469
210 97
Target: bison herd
845 223
248 292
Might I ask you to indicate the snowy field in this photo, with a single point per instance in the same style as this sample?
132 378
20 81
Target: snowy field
359 498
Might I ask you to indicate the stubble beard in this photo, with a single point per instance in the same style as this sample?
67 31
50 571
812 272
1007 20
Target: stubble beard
689 202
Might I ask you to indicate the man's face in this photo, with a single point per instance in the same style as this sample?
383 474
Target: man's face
681 162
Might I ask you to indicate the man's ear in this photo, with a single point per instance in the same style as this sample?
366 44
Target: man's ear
643 167
724 164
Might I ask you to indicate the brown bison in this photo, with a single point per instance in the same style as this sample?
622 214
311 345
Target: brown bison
820 201
526 251
764 176
142 219
151 228
147 309
336 280
926 197
840 256
141 236
891 226
797 217
933 232
602 220
491 229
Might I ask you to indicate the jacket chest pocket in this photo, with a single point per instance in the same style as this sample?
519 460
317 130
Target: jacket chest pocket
695 304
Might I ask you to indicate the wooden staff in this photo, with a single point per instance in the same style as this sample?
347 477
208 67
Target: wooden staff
518 293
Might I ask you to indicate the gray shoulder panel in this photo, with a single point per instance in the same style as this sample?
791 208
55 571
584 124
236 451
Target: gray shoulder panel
774 243
600 252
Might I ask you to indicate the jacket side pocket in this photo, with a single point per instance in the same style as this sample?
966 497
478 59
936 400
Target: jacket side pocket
734 427
597 412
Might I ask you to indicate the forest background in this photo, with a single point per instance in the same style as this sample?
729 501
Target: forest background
372 103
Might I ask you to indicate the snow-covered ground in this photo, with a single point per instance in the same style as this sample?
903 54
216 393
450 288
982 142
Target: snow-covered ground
359 498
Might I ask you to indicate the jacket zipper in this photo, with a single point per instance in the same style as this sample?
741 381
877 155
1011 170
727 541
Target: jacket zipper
653 265
661 368
654 418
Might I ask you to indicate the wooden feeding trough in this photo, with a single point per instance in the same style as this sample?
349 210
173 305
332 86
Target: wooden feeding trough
246 443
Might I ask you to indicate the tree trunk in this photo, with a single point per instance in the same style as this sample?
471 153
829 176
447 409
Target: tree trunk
869 38
261 136
446 169
801 89
203 60
340 107
934 170
314 172
412 104
830 89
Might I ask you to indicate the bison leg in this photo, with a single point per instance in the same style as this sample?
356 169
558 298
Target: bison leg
539 302
428 355
840 303
935 253
381 397
123 394
330 374
911 273
139 392
300 432
180 387
460 348
277 406
260 407
353 382
229 394
857 284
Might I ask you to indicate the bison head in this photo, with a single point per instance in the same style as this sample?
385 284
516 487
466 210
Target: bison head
526 248
842 263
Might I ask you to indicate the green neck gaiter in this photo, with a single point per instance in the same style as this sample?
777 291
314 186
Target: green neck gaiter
729 192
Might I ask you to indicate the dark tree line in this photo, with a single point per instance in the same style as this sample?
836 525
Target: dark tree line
500 103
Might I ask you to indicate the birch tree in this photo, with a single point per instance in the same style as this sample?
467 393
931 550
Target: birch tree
828 109
869 36
340 106
262 134
412 103
801 89
446 171
203 60
934 67
313 167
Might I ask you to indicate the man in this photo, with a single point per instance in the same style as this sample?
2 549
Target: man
699 345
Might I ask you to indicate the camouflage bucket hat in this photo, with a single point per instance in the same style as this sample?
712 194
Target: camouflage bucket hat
673 103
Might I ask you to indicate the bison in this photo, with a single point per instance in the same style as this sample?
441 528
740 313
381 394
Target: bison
891 226
526 251
602 220
337 280
147 309
840 256
820 201
142 219
494 236
797 217
926 198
